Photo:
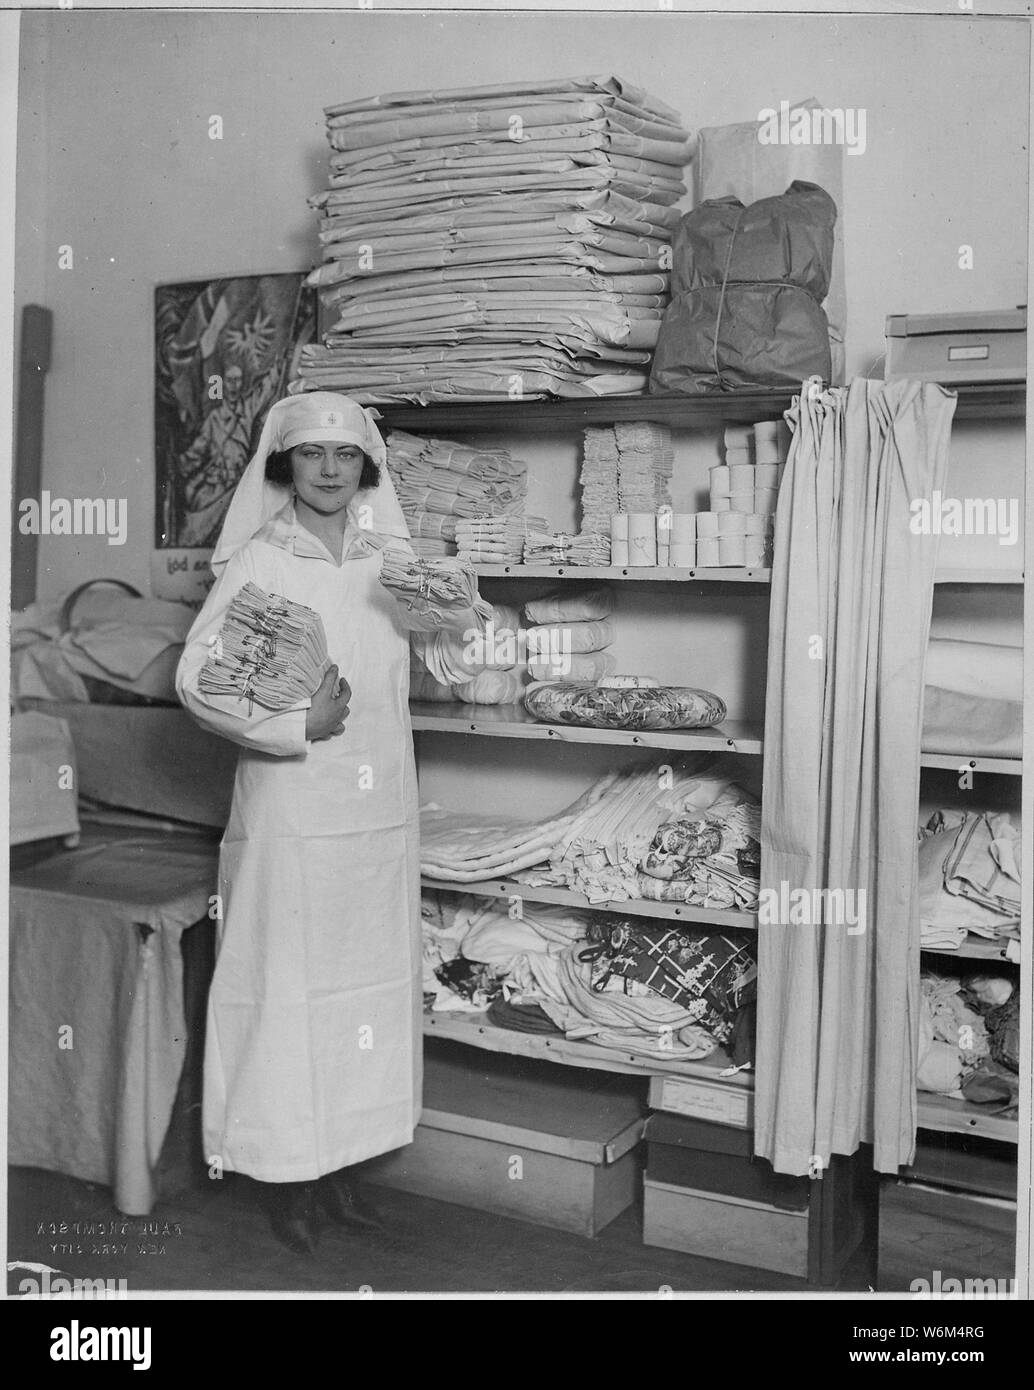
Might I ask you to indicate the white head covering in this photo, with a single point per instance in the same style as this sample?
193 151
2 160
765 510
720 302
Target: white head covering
317 416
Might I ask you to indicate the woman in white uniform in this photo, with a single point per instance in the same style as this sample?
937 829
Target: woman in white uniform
313 1047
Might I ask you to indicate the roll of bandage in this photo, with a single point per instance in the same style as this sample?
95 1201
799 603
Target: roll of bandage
721 480
766 432
767 475
742 501
707 552
732 550
754 550
732 524
765 499
707 525
738 456
642 538
738 437
683 528
721 504
768 454
755 524
683 555
741 478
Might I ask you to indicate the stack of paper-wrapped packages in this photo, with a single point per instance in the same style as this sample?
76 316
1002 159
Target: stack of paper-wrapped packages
498 242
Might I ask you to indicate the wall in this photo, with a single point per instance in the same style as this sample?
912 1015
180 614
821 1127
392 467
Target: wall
115 160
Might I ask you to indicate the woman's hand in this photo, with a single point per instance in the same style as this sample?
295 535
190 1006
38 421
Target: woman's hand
325 717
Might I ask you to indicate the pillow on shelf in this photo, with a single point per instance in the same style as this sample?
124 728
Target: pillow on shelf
609 707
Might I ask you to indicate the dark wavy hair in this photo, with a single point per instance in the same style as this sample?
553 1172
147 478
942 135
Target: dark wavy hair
278 470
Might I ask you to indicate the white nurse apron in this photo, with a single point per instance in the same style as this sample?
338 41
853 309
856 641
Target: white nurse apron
313 1046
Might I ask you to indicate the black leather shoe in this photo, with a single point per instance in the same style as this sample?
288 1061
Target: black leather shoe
292 1215
339 1196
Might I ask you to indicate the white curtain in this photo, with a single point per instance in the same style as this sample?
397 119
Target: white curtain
852 588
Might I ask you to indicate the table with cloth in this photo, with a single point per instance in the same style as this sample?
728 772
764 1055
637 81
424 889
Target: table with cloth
98 1027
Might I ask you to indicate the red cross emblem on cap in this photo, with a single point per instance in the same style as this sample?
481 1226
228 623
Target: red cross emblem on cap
330 419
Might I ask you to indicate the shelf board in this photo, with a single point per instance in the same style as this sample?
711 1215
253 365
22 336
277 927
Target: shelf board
520 416
635 907
1011 767
476 1030
950 1116
975 948
514 721
981 576
654 574
984 400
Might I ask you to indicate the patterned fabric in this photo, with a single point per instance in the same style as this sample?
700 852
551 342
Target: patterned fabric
711 976
607 707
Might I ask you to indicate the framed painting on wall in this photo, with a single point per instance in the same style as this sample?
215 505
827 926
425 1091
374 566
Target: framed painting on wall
224 352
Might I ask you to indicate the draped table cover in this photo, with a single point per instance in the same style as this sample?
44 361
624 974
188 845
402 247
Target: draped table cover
97 1024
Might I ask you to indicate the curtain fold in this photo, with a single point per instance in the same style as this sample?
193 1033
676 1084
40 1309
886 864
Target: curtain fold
851 600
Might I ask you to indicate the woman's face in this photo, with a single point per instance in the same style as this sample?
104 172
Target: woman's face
326 475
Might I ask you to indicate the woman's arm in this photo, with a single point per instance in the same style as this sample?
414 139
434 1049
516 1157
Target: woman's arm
280 732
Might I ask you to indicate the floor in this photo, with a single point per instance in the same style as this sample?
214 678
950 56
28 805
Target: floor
213 1235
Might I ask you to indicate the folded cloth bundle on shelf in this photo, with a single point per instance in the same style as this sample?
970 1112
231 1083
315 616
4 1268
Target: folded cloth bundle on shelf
588 548
712 975
623 1014
645 462
599 479
578 666
434 593
492 688
664 831
545 639
460 656
968 1037
571 605
495 540
973 700
269 650
969 878
442 484
608 707
493 239
485 933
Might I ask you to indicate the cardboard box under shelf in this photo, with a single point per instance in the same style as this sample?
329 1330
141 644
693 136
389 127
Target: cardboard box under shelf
720 1227
706 1195
522 1138
724 1101
927 1230
694 1154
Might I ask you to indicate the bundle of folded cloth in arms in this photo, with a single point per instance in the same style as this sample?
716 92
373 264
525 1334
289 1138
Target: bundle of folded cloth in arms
433 590
562 634
493 242
444 488
969 1035
969 879
668 832
639 985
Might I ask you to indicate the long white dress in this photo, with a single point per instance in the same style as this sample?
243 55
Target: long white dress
313 1049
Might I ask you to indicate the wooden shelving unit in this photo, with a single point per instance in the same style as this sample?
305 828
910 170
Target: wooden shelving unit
985 401
946 1115
567 897
477 1030
651 574
514 721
